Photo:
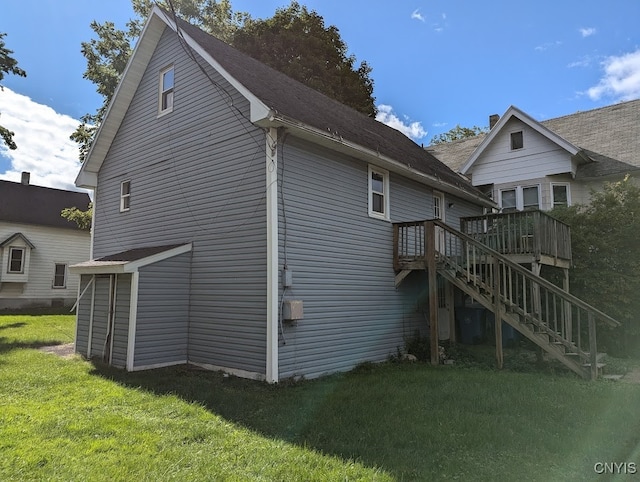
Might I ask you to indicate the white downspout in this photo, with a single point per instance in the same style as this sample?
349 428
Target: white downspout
272 254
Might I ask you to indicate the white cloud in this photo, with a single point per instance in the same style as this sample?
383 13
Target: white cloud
587 32
583 62
548 45
416 15
42 136
621 79
413 130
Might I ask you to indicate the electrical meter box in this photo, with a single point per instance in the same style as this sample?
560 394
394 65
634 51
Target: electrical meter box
292 310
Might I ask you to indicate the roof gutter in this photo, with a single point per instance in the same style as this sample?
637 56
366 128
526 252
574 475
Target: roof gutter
339 143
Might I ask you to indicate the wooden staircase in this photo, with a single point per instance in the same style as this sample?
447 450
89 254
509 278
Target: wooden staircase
556 321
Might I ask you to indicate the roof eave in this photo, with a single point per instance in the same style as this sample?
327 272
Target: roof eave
340 144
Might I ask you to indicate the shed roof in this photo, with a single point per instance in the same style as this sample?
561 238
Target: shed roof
27 204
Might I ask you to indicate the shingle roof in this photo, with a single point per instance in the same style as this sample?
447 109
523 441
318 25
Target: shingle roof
138 253
295 100
609 136
27 204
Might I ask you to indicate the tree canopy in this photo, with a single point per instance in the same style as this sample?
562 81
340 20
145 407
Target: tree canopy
295 41
457 133
606 259
8 65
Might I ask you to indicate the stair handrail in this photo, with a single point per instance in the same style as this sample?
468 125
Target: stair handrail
528 274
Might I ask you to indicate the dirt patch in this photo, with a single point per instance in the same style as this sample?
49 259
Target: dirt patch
632 377
64 351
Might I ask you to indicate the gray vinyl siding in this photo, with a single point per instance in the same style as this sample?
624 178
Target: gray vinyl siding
197 175
84 312
100 317
121 321
342 263
163 312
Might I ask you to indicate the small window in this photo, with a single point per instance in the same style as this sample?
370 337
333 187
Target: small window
60 276
560 195
16 260
166 90
378 193
517 141
530 197
438 206
125 195
508 200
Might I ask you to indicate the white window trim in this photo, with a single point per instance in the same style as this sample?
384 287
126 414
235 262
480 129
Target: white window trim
568 186
522 188
22 262
385 181
123 196
520 195
441 199
161 92
64 284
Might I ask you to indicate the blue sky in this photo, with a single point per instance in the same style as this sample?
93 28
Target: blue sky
436 64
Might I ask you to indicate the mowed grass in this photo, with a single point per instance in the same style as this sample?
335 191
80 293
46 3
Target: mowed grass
68 419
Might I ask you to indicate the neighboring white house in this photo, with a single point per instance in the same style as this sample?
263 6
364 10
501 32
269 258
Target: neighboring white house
526 164
37 245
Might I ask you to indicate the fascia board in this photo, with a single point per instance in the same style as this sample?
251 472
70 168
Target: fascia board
121 99
338 143
133 266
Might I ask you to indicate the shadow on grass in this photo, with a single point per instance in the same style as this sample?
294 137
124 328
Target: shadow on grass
306 413
7 345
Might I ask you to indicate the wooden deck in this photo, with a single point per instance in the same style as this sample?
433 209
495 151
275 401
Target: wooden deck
523 236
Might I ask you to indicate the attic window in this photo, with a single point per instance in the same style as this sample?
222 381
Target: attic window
166 90
517 141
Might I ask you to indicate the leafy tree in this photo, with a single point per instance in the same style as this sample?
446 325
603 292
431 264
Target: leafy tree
315 54
8 65
458 133
606 259
296 42
81 218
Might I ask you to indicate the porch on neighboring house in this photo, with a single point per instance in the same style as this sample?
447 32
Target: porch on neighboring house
483 261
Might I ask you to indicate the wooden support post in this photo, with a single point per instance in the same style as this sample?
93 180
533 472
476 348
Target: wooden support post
497 310
568 324
593 347
430 240
451 309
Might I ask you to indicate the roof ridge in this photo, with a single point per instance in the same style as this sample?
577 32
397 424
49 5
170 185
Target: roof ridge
610 106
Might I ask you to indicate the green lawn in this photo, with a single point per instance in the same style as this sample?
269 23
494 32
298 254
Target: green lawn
67 419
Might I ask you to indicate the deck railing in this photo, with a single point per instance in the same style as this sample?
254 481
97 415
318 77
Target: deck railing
533 233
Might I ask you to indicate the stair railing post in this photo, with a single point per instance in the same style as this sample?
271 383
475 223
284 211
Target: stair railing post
593 355
497 311
430 241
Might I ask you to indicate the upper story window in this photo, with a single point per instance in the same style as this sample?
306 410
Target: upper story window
16 260
520 198
530 197
517 140
60 276
560 195
166 90
378 193
438 206
125 196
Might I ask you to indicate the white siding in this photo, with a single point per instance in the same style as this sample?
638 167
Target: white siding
52 245
538 158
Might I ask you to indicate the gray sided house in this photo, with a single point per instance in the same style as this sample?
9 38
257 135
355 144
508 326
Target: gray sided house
37 245
244 222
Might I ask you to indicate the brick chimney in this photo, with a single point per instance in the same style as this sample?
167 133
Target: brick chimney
493 120
25 178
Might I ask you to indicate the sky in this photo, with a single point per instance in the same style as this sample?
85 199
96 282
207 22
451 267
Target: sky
436 64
